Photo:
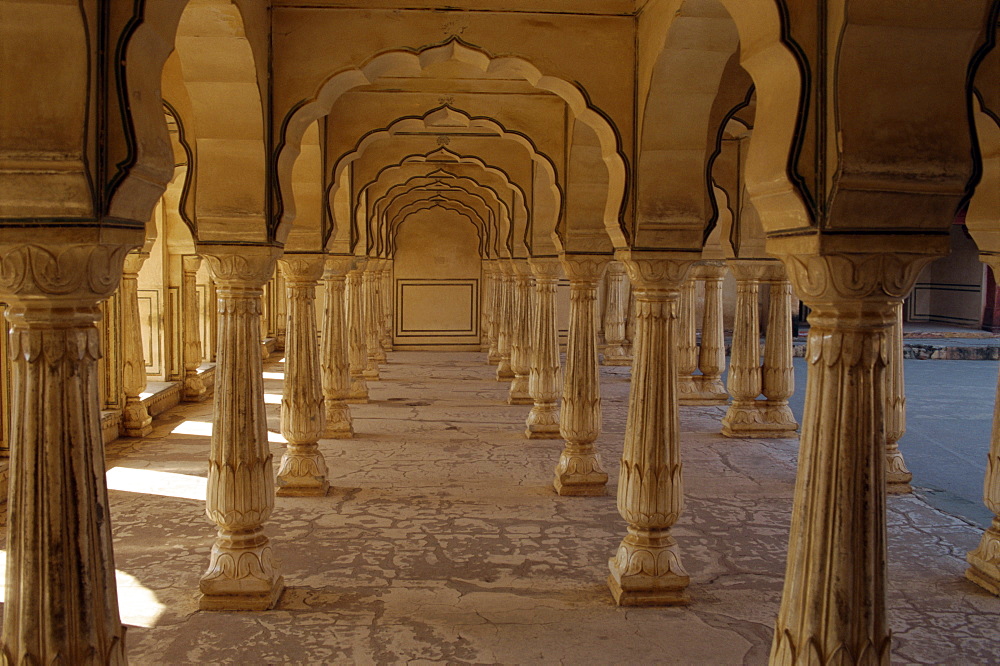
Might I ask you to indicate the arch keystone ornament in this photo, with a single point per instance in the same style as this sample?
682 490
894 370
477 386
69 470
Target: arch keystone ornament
242 572
61 602
833 605
647 570
579 470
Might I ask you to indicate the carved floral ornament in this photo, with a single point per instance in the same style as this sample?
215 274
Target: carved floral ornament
250 266
584 267
850 276
77 270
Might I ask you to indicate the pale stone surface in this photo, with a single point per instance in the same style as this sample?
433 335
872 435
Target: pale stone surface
194 388
445 542
357 346
615 314
334 357
505 320
897 476
544 381
520 341
709 389
136 421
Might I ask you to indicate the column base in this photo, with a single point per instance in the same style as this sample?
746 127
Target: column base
358 394
302 473
759 418
338 420
897 476
493 358
194 389
543 422
504 371
380 355
518 394
580 475
647 571
985 561
705 392
136 421
612 360
371 374
241 579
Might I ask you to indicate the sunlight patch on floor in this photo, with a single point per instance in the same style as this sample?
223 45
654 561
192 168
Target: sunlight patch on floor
153 482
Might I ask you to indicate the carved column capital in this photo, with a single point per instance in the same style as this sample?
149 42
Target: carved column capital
547 268
302 267
752 269
585 267
654 272
709 270
241 265
336 266
133 263
71 272
190 263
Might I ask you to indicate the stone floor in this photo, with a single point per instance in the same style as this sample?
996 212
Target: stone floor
444 541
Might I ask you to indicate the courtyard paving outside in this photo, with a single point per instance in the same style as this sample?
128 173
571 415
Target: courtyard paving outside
442 540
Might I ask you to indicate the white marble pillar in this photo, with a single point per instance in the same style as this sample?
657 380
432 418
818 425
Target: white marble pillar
520 344
544 382
647 571
334 358
194 388
897 476
485 304
687 342
833 605
579 470
373 346
777 372
744 418
709 389
492 308
356 339
242 573
302 471
61 603
136 420
385 295
615 314
505 319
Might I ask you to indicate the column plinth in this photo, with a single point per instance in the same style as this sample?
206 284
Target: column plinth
194 387
544 384
61 602
136 420
302 471
357 348
615 315
833 603
520 353
334 362
579 470
242 572
647 570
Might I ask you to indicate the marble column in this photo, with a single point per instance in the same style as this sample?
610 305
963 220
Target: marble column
984 560
61 602
492 308
897 476
486 285
302 471
505 319
385 298
777 372
833 604
709 389
334 362
136 420
194 388
356 339
579 470
520 344
615 314
544 383
687 342
647 571
242 573
373 346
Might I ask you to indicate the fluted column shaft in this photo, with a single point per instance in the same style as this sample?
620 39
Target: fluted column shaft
242 573
646 571
544 382
520 353
897 476
136 420
485 306
743 418
615 315
385 299
334 362
357 347
833 603
579 470
712 352
302 470
687 342
194 388
373 346
61 603
777 372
